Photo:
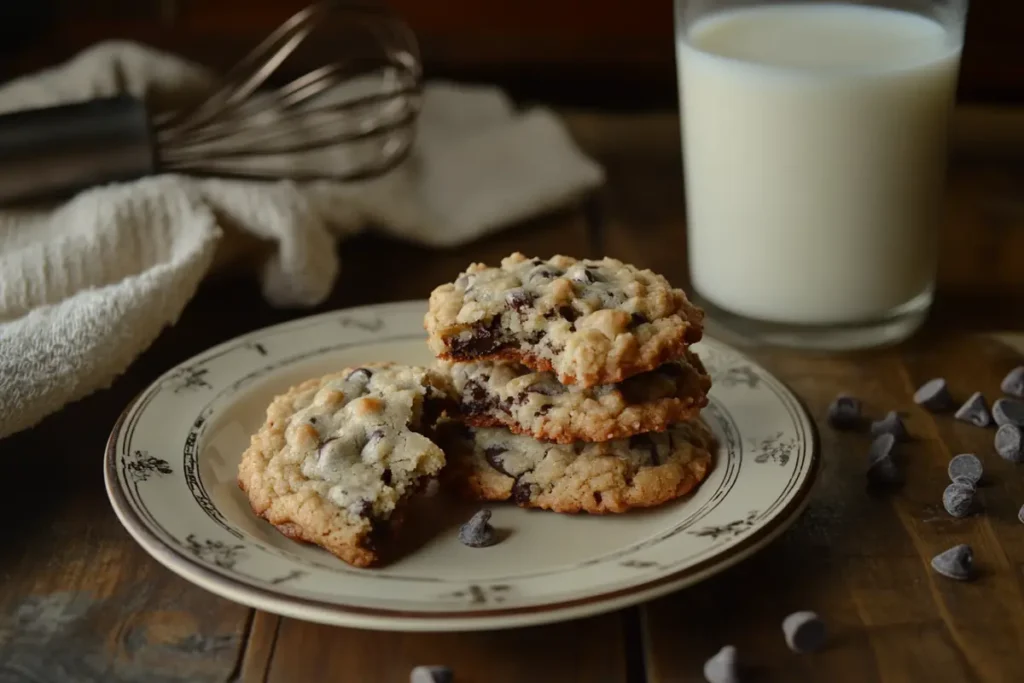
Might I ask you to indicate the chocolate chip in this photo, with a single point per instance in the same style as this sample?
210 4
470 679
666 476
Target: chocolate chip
584 276
804 632
362 375
844 412
485 338
636 320
568 313
975 411
493 456
431 674
724 667
1008 411
965 481
1009 444
365 508
386 477
934 395
956 563
518 299
958 500
597 497
643 442
882 466
966 465
1013 383
892 423
545 273
522 492
543 410
546 386
478 532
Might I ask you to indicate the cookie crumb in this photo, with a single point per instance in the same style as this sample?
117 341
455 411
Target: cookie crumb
804 632
723 667
431 674
892 423
966 466
974 411
934 395
845 412
478 532
956 563
1007 411
1013 383
1009 444
958 500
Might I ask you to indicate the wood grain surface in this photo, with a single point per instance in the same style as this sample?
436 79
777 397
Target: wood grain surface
79 601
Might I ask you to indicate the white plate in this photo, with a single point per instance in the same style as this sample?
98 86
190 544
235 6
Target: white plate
172 460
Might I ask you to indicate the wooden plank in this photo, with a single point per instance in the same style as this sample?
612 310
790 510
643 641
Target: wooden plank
79 601
259 648
586 651
861 559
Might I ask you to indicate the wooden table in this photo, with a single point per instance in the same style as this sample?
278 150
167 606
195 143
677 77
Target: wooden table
80 601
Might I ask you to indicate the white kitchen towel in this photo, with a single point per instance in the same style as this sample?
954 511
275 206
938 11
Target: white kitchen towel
87 285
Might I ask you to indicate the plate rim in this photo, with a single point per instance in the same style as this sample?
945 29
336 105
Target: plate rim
377 618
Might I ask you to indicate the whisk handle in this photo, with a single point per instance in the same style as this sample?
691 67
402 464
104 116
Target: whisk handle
55 151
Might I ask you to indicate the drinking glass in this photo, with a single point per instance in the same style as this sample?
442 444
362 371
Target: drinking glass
814 147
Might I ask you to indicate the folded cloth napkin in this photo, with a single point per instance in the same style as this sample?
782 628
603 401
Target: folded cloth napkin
87 285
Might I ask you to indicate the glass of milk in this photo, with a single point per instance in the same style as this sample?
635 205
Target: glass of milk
814 147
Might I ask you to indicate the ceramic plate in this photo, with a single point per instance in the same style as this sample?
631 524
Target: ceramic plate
172 459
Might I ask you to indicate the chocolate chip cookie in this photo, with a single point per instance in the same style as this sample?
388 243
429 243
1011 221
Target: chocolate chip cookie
489 463
504 394
591 322
337 456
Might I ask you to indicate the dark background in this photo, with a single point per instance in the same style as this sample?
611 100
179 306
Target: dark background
610 53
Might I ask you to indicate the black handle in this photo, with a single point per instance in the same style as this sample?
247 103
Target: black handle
56 151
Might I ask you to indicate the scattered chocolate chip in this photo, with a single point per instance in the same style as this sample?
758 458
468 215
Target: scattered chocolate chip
521 492
386 477
365 508
485 338
975 411
312 420
804 632
958 500
431 674
585 276
964 481
966 465
478 532
724 667
493 456
892 423
543 410
955 563
597 497
518 299
934 395
844 412
637 319
1008 411
1009 444
1013 383
545 273
882 466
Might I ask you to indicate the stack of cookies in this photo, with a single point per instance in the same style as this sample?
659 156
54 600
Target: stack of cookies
576 387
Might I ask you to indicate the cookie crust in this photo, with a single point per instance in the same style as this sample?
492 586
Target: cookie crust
591 322
492 464
503 394
338 456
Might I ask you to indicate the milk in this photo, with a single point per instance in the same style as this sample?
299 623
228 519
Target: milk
814 147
